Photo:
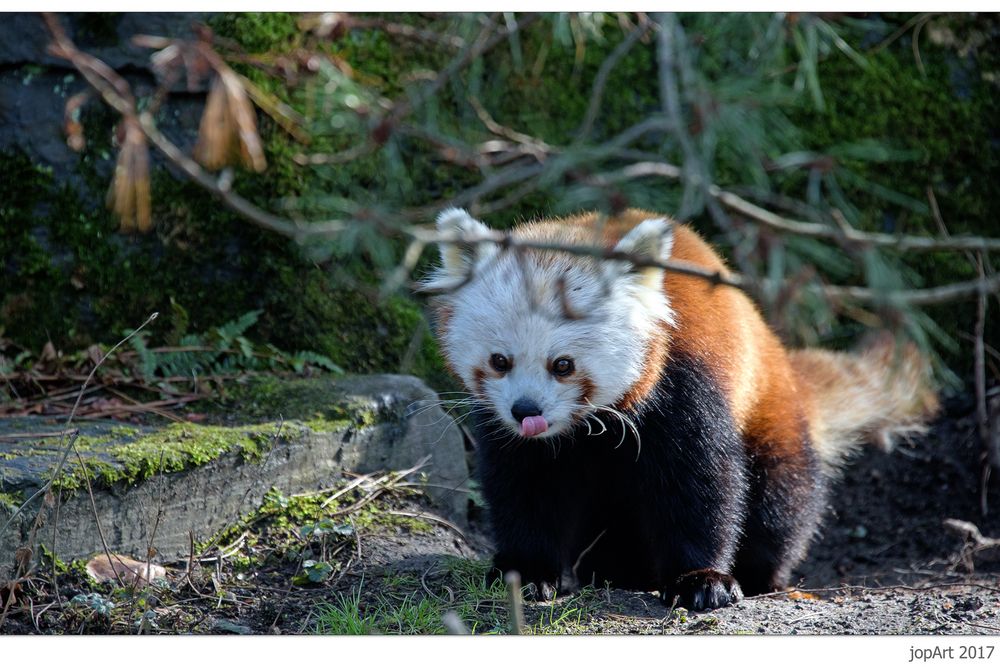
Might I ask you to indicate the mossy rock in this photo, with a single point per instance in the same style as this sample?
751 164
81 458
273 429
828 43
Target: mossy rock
160 481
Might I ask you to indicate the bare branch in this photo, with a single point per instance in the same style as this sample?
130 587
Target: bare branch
816 230
774 221
918 297
508 241
535 147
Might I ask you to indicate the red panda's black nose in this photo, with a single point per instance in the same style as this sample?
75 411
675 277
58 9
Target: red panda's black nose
524 407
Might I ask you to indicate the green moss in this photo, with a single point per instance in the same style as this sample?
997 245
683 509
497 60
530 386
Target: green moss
11 501
75 280
946 117
944 129
257 31
109 461
526 96
315 402
409 524
101 283
76 567
284 521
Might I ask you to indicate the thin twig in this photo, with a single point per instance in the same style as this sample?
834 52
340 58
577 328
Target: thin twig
918 297
36 436
583 553
515 602
430 517
535 147
901 242
97 520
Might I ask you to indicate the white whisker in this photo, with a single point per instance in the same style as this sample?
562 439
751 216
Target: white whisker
626 423
604 428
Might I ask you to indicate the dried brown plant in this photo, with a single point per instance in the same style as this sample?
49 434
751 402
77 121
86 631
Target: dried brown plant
228 130
129 195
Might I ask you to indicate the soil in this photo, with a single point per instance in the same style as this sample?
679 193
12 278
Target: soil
883 564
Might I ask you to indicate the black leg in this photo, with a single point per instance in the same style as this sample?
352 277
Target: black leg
786 504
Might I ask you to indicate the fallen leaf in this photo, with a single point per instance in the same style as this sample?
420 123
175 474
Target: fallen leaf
131 571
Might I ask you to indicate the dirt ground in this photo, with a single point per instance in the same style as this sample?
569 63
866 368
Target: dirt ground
884 564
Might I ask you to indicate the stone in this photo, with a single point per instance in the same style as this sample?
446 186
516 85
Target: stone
157 487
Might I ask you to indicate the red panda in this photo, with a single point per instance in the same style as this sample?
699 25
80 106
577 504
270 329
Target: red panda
644 428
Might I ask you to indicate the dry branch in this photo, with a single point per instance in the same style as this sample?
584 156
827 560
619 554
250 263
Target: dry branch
975 543
902 242
918 297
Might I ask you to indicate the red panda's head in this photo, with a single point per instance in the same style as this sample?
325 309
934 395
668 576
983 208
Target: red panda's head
547 338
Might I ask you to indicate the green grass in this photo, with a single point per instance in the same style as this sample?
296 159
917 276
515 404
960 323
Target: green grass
400 604
390 614
345 617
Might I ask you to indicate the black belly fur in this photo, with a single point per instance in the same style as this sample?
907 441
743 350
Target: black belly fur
607 511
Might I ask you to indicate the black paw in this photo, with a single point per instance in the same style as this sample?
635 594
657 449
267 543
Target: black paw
704 589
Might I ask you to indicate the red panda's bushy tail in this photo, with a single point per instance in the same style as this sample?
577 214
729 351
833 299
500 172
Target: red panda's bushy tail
879 393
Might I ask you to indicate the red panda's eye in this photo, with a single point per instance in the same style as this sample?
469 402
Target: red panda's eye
500 363
563 366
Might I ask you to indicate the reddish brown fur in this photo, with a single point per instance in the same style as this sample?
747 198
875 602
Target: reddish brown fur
656 358
775 398
479 381
442 318
586 388
721 326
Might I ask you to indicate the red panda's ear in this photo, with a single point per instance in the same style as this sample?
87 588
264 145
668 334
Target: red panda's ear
651 239
457 259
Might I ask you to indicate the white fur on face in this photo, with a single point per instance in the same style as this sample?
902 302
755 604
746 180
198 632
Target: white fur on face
516 308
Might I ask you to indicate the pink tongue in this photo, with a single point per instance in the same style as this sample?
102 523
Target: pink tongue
533 426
